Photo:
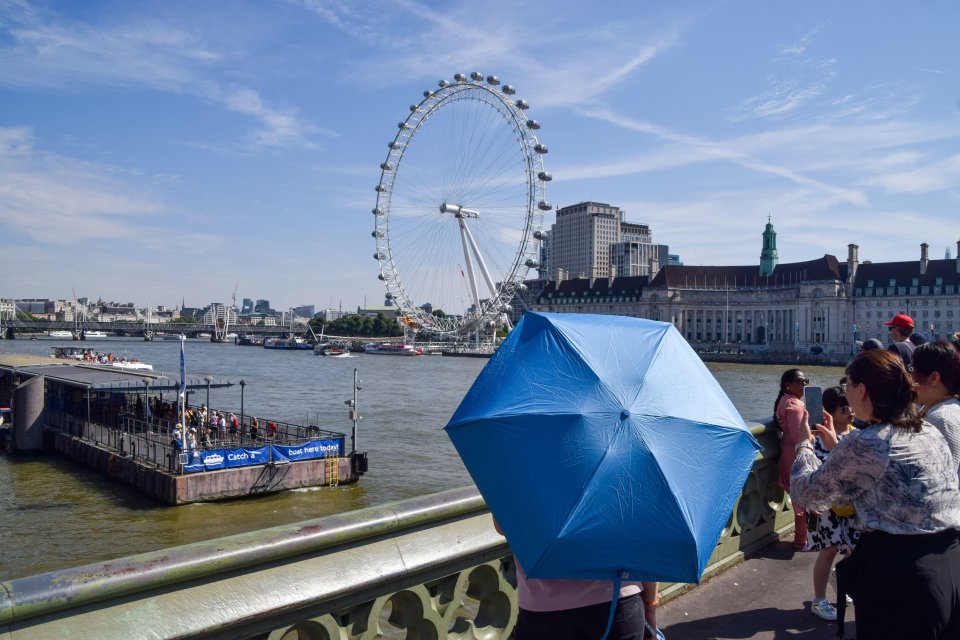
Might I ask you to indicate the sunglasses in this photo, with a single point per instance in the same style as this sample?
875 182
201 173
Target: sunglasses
802 381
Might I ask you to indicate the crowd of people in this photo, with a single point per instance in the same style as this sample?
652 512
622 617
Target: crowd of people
875 479
206 428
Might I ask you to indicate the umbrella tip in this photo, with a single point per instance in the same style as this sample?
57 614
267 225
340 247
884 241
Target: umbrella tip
624 414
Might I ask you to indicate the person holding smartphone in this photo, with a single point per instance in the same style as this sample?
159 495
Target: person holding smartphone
789 414
897 472
835 531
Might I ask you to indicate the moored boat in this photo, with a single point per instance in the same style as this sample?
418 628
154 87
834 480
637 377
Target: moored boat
290 344
88 355
60 334
389 349
94 335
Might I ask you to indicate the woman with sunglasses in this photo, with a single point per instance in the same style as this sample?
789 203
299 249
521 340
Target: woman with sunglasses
789 414
897 472
936 374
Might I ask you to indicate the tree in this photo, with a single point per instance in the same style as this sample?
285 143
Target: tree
439 313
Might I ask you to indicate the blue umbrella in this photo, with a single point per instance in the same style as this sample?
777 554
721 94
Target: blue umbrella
604 448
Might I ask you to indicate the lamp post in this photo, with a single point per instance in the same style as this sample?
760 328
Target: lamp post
243 383
146 399
209 380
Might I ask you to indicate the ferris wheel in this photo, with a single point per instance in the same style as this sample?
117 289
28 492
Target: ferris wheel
460 206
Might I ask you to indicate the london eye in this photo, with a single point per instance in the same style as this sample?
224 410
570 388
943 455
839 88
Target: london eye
460 206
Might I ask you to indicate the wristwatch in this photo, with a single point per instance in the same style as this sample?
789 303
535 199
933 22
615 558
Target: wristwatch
804 444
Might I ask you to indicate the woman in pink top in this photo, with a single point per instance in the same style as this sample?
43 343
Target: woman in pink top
580 609
789 413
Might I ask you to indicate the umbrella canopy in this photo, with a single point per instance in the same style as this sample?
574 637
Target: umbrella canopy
603 447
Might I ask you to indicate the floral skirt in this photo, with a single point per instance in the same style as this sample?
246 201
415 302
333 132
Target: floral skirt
832 531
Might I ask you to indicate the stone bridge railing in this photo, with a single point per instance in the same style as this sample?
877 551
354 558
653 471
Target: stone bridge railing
430 567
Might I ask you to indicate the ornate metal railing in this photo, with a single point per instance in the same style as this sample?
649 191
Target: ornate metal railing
429 567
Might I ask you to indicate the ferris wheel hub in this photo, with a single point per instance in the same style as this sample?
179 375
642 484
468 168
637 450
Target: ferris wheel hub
458 211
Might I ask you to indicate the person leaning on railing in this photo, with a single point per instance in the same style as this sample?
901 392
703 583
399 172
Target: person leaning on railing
897 471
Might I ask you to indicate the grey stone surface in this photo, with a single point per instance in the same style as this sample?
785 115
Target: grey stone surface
766 597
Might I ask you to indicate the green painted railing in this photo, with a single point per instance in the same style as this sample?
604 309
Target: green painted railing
429 567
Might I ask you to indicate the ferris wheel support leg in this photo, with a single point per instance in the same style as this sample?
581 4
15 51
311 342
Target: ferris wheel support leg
464 234
480 263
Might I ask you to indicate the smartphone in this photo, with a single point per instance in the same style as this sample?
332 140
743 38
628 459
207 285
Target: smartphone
813 400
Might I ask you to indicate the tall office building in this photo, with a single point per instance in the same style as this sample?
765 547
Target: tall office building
589 238
247 307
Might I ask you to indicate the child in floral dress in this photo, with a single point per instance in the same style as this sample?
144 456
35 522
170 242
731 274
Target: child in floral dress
835 532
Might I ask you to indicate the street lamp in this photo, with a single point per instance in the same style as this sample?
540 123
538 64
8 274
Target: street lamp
146 399
209 380
243 383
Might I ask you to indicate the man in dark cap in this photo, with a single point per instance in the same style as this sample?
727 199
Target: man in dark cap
871 344
901 327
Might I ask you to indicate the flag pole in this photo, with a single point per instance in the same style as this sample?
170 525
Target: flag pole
183 393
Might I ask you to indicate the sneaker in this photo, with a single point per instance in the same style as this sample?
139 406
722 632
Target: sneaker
823 609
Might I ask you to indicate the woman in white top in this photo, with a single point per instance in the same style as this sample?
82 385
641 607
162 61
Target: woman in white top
898 473
936 373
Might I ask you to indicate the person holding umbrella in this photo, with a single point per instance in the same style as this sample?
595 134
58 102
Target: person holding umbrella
899 475
579 609
789 413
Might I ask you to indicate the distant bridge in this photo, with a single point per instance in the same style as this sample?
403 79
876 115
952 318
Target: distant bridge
191 330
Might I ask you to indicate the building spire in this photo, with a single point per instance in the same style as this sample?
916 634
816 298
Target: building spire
768 256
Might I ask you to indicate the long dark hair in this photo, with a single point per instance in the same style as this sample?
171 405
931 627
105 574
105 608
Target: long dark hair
889 388
942 357
790 375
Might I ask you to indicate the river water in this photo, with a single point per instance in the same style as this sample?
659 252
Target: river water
56 513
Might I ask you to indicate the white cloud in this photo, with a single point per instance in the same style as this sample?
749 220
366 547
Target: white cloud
936 176
498 37
59 200
49 52
695 149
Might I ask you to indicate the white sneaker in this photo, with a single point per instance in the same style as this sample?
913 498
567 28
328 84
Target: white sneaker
823 609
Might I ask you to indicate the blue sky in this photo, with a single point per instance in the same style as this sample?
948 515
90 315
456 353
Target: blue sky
154 151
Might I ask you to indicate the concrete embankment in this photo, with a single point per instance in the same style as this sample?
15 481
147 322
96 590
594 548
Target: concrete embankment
174 489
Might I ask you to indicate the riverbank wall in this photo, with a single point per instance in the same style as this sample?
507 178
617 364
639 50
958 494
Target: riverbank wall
176 489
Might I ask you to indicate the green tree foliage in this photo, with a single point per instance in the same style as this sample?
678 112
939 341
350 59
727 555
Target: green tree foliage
184 320
439 313
359 326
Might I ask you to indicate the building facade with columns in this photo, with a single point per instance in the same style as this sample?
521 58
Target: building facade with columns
823 304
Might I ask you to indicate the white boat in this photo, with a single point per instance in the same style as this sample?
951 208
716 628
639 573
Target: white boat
60 334
131 365
388 349
95 335
88 355
169 336
205 336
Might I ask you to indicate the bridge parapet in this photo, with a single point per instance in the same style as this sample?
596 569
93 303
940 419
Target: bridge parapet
432 565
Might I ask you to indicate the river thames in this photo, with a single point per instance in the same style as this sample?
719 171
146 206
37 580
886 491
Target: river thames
57 513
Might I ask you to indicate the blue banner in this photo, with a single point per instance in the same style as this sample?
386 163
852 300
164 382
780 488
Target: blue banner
328 448
213 459
247 456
